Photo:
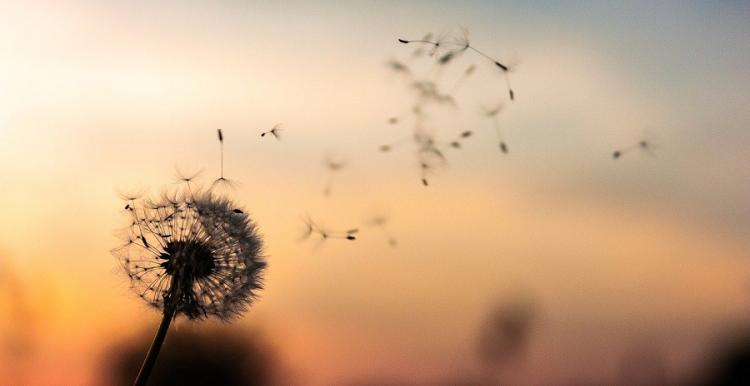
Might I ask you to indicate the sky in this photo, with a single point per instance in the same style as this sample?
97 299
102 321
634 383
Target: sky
98 98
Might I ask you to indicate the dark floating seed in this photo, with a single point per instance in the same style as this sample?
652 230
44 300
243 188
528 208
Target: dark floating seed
502 66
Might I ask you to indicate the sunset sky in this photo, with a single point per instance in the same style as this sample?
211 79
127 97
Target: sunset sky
103 97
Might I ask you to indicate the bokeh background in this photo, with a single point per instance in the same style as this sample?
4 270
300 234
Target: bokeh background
606 269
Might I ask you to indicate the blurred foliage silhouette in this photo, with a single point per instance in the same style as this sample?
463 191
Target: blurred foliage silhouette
198 357
506 331
729 361
18 325
644 363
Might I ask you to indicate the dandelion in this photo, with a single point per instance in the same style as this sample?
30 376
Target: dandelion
275 131
190 254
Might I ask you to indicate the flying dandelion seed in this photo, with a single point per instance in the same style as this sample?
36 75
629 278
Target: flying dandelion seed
428 91
385 148
312 228
644 146
465 44
447 58
492 113
222 181
193 254
457 143
333 166
425 170
275 132
428 40
381 222
415 112
419 51
429 152
398 67
464 76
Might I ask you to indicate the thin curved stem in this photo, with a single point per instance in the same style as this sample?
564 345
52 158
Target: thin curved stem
153 352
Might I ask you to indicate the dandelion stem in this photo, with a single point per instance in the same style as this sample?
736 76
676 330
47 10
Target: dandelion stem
153 352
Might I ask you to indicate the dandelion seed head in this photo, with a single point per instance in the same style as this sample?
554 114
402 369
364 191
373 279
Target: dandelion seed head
181 176
195 253
223 184
464 40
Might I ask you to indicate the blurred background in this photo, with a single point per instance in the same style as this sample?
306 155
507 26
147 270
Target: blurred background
551 265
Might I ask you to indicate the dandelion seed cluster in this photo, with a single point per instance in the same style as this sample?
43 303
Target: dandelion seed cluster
195 253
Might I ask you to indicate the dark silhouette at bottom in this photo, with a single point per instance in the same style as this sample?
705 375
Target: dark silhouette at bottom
198 356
